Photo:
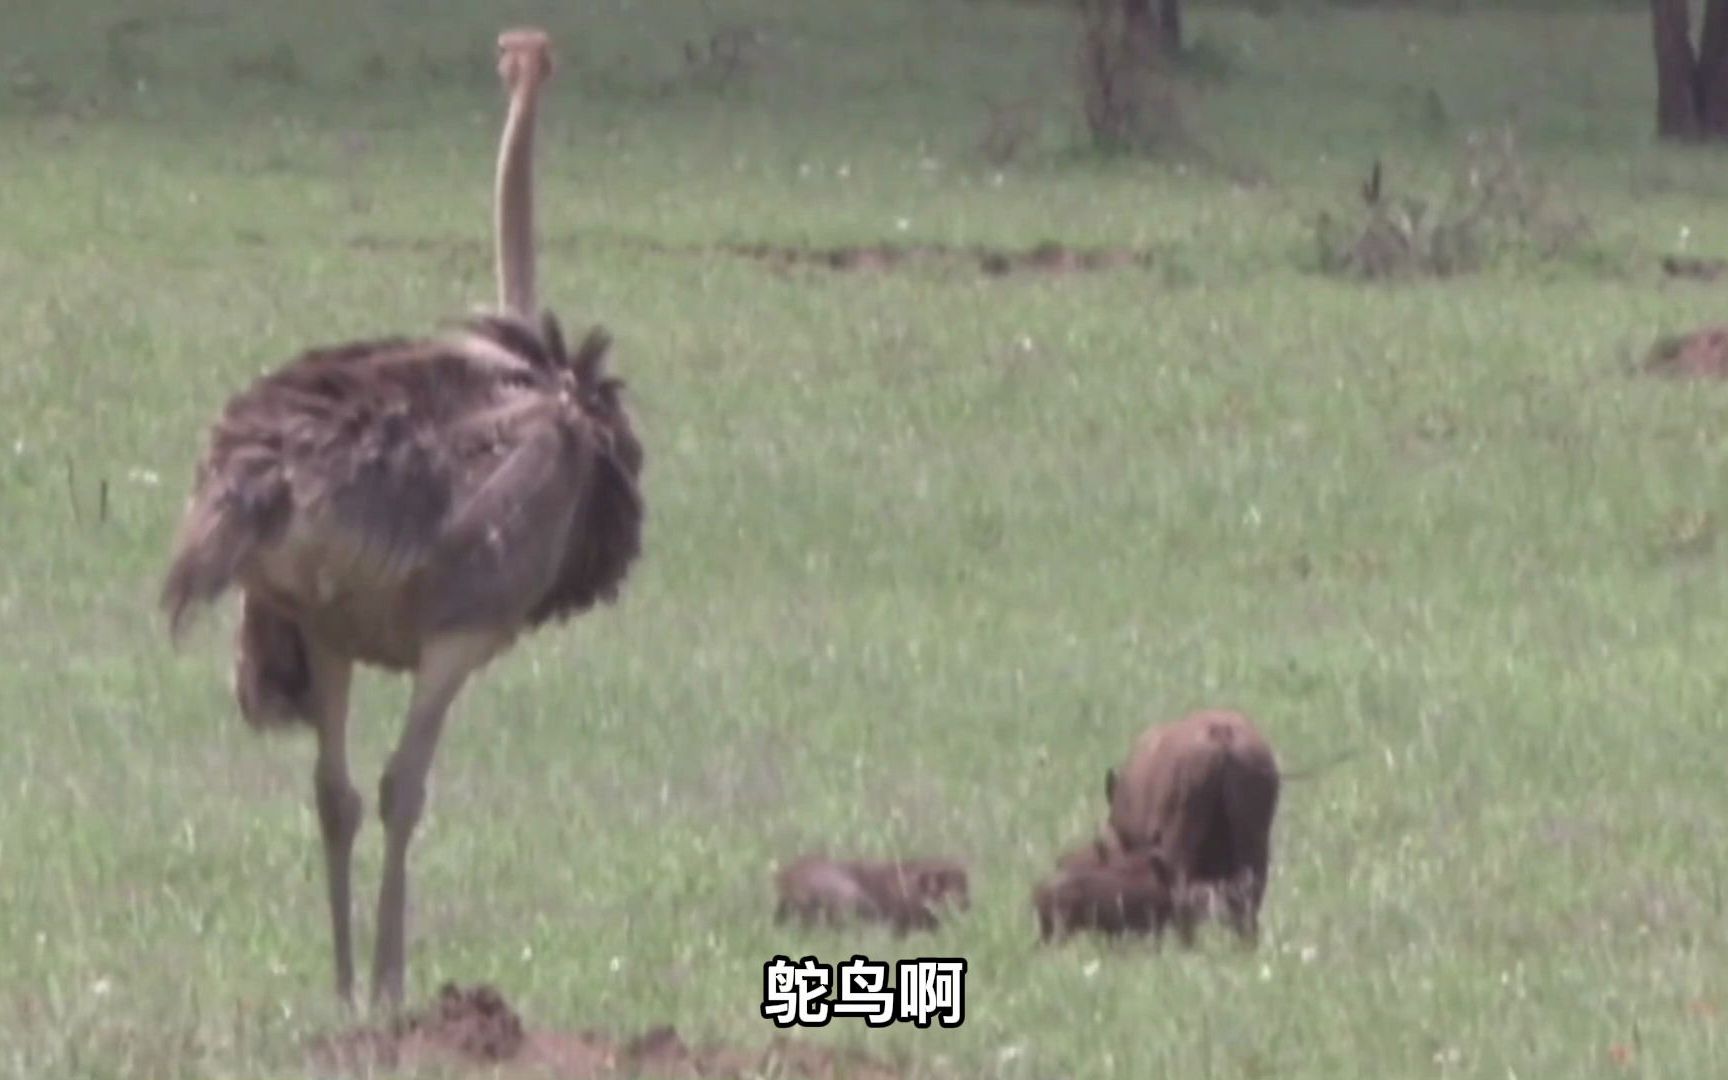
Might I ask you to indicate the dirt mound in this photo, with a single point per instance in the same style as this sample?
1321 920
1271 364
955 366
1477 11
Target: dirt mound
660 1052
1701 354
1698 269
477 1028
1049 257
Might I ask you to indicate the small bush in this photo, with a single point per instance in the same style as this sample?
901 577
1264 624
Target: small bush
729 56
277 65
1206 60
1498 208
1012 126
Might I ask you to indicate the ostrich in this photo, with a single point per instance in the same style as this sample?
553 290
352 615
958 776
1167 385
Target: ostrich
412 504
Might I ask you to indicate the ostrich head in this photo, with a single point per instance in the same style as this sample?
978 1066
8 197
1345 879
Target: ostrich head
524 59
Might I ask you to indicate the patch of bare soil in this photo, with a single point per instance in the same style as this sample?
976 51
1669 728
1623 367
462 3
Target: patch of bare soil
476 1028
1701 354
1697 269
1049 257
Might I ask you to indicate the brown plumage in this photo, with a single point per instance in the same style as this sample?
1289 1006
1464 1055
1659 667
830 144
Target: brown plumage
1094 853
1202 792
382 495
902 893
1110 893
412 504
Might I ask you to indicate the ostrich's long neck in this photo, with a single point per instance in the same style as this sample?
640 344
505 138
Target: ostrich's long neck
515 203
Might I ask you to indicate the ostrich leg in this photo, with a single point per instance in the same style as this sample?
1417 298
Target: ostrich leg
338 802
445 665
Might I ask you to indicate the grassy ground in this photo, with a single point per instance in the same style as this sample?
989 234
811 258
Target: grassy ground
927 548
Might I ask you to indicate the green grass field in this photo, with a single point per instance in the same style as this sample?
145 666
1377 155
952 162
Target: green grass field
926 547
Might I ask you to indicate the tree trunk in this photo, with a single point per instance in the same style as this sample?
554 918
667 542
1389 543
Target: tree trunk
1170 26
1676 70
1139 29
1711 79
1691 87
1153 31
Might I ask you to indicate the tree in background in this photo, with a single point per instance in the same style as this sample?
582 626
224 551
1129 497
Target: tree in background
1128 49
1162 26
1128 100
1170 25
1691 86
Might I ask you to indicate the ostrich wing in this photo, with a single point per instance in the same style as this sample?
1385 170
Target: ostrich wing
346 462
377 448
503 544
